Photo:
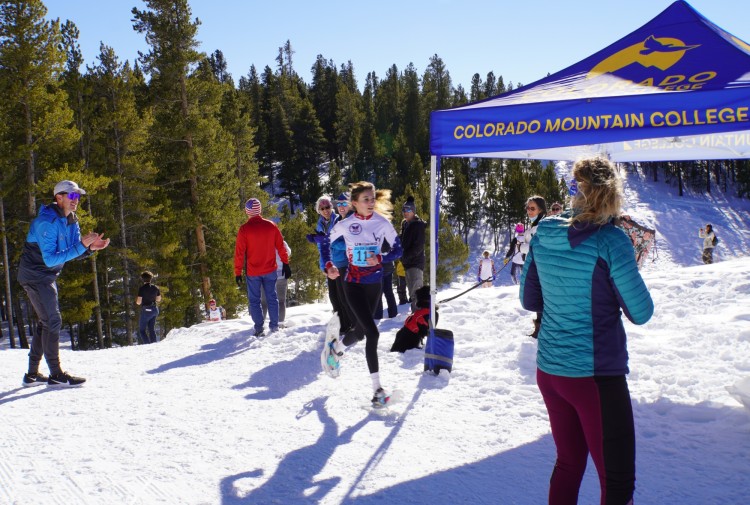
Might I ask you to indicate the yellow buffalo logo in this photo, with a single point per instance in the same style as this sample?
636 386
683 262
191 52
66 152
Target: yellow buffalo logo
662 53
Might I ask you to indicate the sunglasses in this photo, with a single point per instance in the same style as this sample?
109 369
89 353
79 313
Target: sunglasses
531 208
325 208
556 208
73 195
342 204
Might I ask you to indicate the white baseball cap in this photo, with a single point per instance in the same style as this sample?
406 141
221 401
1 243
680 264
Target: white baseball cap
68 187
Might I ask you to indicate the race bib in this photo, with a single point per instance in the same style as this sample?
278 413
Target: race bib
360 253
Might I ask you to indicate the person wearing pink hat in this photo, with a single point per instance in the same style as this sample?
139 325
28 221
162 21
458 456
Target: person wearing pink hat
515 253
258 242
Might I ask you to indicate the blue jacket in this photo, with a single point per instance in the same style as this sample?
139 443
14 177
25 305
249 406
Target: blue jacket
324 229
580 278
53 239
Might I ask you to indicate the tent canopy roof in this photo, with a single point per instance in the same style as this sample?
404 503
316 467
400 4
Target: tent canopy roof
678 88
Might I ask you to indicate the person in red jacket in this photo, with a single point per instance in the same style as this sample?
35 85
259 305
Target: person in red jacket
258 241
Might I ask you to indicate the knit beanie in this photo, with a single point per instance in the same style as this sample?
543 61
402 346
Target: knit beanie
252 207
409 206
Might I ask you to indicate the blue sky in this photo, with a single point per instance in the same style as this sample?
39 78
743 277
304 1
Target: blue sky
522 41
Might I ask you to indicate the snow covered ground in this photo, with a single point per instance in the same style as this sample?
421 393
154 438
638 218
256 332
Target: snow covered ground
213 415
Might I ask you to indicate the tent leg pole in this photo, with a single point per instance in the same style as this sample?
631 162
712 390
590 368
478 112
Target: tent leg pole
434 222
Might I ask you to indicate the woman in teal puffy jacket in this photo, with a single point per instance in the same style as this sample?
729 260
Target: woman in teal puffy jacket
582 275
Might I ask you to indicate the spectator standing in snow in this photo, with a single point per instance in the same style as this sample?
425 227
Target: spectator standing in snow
364 233
148 296
215 313
486 272
388 269
536 209
412 240
328 218
54 238
515 253
258 241
282 282
707 234
588 264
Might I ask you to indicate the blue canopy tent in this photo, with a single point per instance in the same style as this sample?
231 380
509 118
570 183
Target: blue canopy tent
678 88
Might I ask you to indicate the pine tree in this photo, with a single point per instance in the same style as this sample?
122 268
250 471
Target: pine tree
371 151
515 192
324 93
412 128
349 117
308 283
40 123
387 113
494 208
461 205
79 90
191 149
38 128
119 149
453 253
476 89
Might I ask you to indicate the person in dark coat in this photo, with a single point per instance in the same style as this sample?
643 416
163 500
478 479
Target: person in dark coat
388 269
412 241
148 296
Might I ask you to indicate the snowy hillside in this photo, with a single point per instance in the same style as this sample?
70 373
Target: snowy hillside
212 415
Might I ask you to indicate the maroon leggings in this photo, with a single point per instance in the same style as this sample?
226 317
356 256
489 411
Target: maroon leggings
590 415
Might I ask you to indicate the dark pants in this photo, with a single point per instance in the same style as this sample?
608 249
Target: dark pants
337 290
363 300
708 255
401 289
590 415
390 299
147 324
46 341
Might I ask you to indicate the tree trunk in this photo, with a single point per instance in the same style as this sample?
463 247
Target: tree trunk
30 169
200 238
108 298
8 293
97 298
708 177
124 241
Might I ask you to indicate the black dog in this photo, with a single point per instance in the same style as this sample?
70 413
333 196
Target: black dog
417 325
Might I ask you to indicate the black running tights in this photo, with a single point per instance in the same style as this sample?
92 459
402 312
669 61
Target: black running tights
363 300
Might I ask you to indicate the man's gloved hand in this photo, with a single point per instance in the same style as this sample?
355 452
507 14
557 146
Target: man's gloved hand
285 270
505 261
238 280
